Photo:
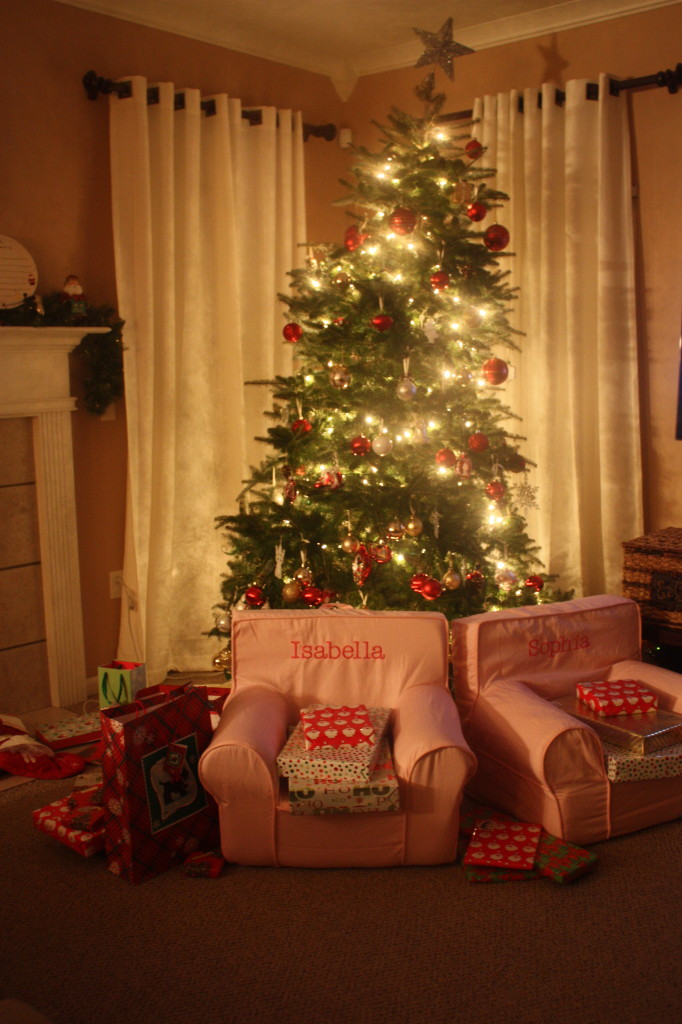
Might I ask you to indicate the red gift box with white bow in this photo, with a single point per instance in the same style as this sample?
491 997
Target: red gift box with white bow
612 697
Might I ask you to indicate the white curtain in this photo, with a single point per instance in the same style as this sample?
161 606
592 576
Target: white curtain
209 216
566 168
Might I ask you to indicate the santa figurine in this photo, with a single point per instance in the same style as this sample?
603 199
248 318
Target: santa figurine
72 292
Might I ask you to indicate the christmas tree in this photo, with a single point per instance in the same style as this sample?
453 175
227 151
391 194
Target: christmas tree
394 478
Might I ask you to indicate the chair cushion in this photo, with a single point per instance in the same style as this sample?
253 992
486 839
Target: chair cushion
338 655
549 647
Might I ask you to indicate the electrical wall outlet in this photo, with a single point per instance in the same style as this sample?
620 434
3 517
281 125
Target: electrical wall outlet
116 584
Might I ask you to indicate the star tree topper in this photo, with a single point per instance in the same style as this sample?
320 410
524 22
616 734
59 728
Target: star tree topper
440 48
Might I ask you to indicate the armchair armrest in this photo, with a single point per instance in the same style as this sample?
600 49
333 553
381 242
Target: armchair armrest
665 683
516 727
241 759
433 763
426 720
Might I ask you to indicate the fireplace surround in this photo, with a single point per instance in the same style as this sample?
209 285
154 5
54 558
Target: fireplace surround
34 383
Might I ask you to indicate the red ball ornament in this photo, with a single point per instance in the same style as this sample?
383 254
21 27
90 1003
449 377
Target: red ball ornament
475 580
254 597
535 583
473 149
353 238
418 581
446 457
402 221
495 490
312 596
380 552
382 322
515 462
292 332
478 442
440 280
431 589
495 370
329 596
360 445
301 427
476 211
496 238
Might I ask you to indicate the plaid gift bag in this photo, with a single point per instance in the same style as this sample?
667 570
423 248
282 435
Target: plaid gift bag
156 810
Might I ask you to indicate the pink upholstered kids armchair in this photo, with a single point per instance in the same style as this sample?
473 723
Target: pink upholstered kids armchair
283 661
536 761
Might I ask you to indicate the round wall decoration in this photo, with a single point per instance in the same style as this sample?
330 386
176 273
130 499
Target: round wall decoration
18 273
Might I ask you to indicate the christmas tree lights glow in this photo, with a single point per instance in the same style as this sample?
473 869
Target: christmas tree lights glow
393 476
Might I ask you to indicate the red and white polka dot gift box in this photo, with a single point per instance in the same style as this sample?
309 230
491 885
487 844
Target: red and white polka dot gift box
503 844
331 764
336 727
612 697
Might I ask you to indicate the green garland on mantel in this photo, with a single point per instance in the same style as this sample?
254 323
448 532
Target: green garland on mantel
102 354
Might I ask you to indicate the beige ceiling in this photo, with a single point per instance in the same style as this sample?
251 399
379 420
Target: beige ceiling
348 38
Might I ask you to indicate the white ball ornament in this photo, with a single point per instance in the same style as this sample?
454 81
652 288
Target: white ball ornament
382 445
406 389
506 579
223 622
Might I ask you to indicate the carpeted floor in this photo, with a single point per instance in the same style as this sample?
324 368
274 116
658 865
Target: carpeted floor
289 946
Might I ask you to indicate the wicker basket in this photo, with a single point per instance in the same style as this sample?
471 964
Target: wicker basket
652 575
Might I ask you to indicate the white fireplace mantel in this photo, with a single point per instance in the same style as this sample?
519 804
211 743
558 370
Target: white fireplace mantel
34 382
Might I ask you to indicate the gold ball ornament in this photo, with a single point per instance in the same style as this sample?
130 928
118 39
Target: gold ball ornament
303 575
339 376
291 592
414 526
222 659
451 580
395 530
350 544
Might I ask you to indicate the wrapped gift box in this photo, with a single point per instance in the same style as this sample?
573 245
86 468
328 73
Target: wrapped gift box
331 764
555 858
614 697
624 766
336 726
75 823
503 844
380 793
641 734
70 732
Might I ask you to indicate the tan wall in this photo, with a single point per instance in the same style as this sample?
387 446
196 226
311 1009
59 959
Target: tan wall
55 198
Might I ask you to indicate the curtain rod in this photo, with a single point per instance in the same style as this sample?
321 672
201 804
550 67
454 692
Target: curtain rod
94 84
672 80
